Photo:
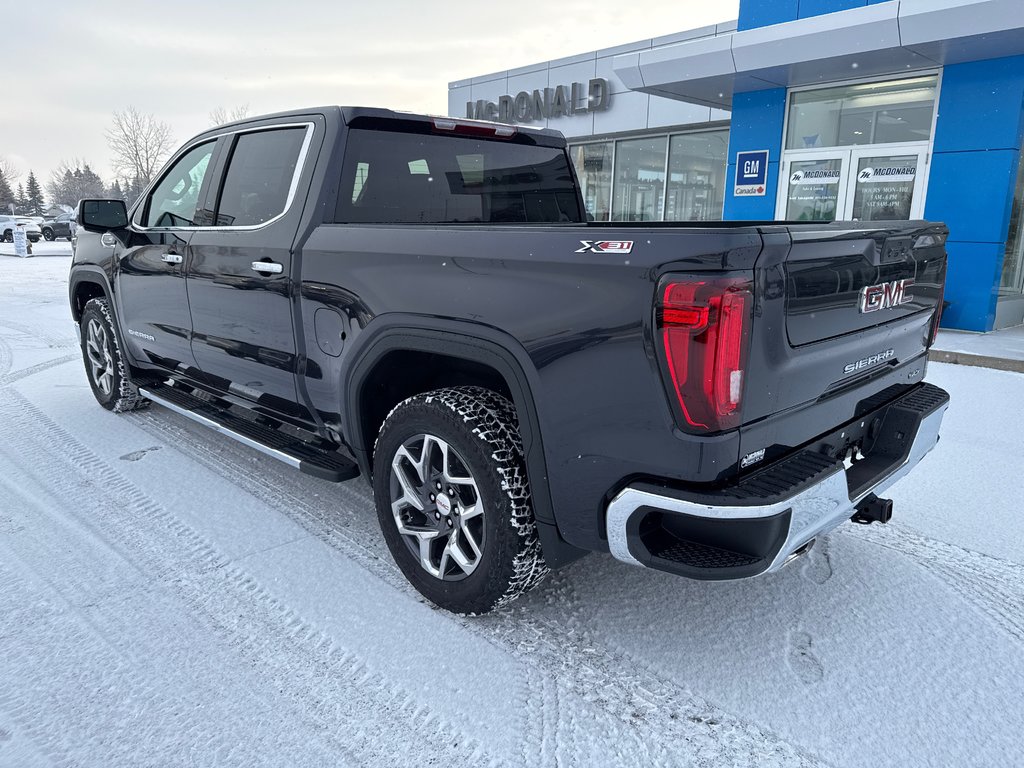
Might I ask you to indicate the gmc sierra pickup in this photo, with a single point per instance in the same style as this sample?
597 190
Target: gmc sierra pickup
422 301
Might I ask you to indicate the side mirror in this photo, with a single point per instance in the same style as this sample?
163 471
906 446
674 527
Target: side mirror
102 215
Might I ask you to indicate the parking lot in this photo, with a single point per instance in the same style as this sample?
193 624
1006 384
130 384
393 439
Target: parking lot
169 597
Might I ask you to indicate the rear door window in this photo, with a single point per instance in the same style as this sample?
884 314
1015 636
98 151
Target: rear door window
392 177
259 176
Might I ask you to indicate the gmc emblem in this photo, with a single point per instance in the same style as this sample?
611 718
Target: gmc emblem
884 295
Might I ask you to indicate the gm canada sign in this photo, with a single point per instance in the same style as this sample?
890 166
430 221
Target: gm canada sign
751 173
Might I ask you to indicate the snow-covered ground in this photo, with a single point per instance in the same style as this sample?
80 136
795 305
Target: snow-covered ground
1006 343
171 598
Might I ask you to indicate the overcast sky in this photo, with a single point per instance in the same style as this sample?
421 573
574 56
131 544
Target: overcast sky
74 63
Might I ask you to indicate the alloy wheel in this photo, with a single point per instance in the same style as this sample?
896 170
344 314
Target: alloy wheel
101 361
437 507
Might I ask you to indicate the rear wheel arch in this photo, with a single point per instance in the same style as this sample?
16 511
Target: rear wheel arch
475 356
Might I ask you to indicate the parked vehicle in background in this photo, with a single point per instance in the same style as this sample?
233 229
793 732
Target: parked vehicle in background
422 301
59 226
9 223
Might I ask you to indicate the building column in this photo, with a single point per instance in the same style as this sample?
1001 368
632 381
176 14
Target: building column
973 172
757 121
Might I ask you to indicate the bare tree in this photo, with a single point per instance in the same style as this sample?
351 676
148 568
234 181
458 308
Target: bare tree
220 115
9 170
139 143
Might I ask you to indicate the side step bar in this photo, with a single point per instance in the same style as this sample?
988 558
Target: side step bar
310 458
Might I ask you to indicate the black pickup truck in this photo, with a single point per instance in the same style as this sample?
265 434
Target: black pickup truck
422 301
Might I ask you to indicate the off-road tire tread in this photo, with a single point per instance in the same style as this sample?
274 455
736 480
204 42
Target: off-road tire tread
494 421
128 397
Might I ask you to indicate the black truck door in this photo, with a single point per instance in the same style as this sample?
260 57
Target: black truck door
152 299
241 273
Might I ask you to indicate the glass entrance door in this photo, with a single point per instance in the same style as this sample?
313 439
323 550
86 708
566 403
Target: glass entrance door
814 188
863 184
886 186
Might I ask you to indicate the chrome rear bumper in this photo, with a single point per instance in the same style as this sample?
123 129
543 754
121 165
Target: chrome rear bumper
705 530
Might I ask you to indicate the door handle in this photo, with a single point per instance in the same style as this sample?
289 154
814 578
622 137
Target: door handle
267 267
172 258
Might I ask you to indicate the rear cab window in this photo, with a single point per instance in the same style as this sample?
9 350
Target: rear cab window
397 177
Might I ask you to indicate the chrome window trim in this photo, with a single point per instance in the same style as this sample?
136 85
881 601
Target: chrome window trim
299 165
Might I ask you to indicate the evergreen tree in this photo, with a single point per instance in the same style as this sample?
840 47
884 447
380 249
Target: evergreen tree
91 184
115 192
20 201
133 189
72 183
35 202
6 195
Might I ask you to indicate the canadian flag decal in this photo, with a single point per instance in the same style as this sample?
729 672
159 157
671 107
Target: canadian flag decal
605 246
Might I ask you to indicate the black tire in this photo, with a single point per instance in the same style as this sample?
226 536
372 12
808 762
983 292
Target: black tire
48 234
480 428
9 236
105 367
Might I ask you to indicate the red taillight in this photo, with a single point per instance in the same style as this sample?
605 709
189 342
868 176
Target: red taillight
705 330
938 314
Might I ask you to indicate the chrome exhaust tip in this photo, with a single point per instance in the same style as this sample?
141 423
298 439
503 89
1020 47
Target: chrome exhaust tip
798 553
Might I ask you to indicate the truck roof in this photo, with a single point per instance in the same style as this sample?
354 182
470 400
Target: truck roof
351 114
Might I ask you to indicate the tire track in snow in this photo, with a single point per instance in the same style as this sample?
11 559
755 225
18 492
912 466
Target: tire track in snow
5 357
40 333
628 713
993 585
335 694
12 377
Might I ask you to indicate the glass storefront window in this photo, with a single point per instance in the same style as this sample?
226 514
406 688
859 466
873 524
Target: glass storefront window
639 189
696 176
594 168
865 113
1013 263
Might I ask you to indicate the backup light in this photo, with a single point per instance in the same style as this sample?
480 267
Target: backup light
705 334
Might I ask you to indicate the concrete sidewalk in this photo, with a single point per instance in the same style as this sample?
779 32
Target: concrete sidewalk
1002 349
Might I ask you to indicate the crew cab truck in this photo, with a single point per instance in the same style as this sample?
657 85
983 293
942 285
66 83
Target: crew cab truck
423 302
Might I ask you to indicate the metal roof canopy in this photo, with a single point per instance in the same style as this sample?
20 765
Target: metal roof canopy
883 39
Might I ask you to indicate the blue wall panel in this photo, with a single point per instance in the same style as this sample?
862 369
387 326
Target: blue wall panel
818 7
980 105
757 119
974 168
762 13
972 192
972 285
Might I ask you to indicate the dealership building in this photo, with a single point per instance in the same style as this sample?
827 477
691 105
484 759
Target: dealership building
805 110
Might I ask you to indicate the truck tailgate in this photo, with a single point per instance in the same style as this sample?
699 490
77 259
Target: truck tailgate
844 318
